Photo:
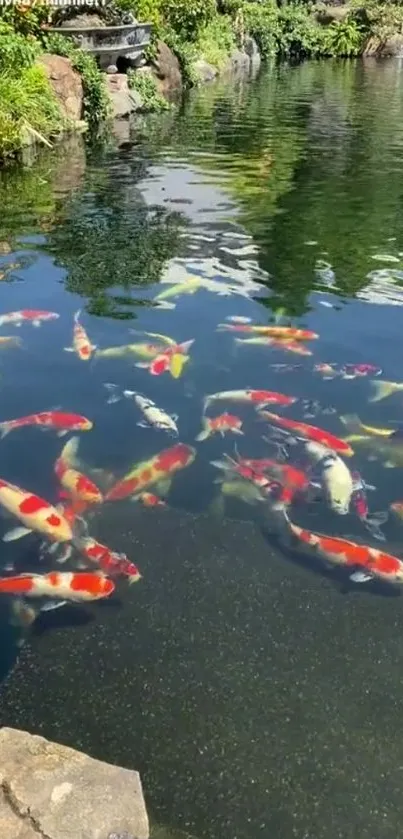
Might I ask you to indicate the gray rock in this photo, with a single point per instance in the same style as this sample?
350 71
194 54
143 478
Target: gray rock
124 101
251 48
205 72
54 792
240 61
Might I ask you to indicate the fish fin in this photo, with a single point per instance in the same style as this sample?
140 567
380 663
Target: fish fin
205 433
163 486
238 431
77 315
65 555
352 422
361 577
114 391
52 605
5 429
164 304
16 533
143 365
22 614
127 393
36 323
381 390
69 349
143 424
62 433
220 464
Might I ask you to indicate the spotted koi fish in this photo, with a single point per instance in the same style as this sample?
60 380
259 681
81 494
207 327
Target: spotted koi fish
220 425
276 343
310 432
112 563
288 333
34 316
171 360
371 562
155 471
81 343
59 421
258 398
70 586
34 513
76 485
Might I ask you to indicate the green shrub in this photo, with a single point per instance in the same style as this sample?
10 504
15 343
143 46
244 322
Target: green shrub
146 86
16 51
25 22
378 20
216 41
300 34
343 39
186 54
261 20
26 102
187 17
96 102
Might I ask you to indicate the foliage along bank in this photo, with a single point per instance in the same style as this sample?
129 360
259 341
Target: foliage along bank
194 29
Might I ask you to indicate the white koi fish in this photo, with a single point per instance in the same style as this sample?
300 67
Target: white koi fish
154 416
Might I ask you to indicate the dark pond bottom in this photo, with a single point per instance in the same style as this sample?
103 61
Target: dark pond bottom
262 702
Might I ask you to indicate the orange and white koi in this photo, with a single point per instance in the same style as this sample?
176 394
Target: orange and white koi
288 333
311 432
276 343
76 485
112 563
220 425
34 316
371 562
258 398
157 470
59 421
81 343
148 499
34 512
172 360
69 586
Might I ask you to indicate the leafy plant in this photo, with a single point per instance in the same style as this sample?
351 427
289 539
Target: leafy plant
216 41
344 39
186 54
16 51
24 20
26 103
261 21
299 33
187 17
146 86
96 102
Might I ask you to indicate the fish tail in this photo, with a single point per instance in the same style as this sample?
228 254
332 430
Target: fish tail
352 422
115 394
380 390
5 428
205 433
69 451
225 327
77 315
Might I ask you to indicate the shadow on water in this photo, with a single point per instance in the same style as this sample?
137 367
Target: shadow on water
252 695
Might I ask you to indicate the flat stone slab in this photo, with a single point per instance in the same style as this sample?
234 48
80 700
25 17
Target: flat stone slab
51 791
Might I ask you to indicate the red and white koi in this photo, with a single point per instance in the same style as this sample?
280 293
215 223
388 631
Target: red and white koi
149 499
76 485
371 562
34 512
220 425
258 398
301 430
371 521
60 421
34 316
153 472
81 343
172 360
286 333
346 371
112 563
69 586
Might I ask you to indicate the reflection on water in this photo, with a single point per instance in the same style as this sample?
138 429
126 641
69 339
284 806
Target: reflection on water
257 689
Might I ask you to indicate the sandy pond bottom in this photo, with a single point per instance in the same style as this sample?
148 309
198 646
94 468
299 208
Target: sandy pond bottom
252 695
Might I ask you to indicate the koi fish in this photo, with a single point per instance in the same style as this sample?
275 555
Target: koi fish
346 371
335 477
355 426
327 371
276 343
177 290
34 316
144 351
220 425
34 513
81 343
170 360
238 319
70 586
310 432
359 501
148 499
155 471
381 390
112 563
285 368
256 397
287 333
373 564
397 508
154 416
248 473
292 481
60 421
13 341
77 486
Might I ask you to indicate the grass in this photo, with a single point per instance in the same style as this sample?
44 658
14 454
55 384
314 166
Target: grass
27 104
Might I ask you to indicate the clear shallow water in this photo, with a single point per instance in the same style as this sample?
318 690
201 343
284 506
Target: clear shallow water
252 693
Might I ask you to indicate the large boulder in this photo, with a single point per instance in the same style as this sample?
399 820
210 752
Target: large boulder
167 69
66 83
124 101
391 47
205 72
48 790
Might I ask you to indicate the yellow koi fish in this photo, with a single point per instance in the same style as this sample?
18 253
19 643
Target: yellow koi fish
382 389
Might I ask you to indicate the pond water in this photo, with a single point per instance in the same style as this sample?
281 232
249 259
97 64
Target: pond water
256 688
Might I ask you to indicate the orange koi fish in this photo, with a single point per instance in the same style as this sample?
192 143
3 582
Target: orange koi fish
81 343
76 485
310 432
112 563
221 424
148 499
158 469
34 513
34 316
276 343
59 421
172 360
256 397
291 479
74 586
288 333
373 563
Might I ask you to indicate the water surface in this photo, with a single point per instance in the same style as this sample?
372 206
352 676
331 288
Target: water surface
256 694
